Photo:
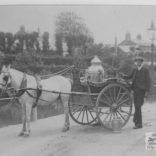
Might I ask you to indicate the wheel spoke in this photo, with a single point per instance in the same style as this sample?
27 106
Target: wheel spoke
87 115
114 93
110 116
80 112
83 113
123 111
118 94
91 115
119 104
112 100
107 98
116 114
106 117
121 116
118 101
102 100
102 113
77 109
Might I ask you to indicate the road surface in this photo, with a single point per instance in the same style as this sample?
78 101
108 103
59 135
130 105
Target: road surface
47 139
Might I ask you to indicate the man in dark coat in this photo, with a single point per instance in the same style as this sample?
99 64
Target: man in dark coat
141 83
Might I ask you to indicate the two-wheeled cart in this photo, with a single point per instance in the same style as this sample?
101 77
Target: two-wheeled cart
100 102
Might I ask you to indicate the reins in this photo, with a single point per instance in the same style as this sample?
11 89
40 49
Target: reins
23 86
64 71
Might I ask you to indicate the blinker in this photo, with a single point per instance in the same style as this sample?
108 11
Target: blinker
6 78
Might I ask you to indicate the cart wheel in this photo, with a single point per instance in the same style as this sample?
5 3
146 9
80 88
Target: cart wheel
81 113
114 101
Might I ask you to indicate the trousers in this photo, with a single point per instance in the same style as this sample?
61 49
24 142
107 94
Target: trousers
139 95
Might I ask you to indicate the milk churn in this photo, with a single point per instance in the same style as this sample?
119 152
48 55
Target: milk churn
116 125
96 70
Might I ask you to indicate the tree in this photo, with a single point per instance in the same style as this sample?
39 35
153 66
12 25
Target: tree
20 37
72 29
126 65
96 49
2 41
58 44
31 40
10 41
45 41
26 41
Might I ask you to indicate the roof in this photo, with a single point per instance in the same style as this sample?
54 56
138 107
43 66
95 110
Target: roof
141 42
127 42
134 42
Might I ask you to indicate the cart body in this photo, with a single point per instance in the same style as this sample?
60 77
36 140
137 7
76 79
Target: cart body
100 102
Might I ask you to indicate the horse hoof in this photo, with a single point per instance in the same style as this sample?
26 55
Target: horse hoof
21 134
65 129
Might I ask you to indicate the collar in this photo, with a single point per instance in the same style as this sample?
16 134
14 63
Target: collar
139 68
24 81
23 86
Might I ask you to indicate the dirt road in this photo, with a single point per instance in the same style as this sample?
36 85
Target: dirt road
47 139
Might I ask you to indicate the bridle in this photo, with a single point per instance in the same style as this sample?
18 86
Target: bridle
6 78
7 86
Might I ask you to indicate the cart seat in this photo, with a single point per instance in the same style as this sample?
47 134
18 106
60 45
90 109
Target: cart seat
95 87
85 82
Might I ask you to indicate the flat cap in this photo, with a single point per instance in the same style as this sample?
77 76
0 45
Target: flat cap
138 58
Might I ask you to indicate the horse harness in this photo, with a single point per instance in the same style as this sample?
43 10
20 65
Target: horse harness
38 89
23 88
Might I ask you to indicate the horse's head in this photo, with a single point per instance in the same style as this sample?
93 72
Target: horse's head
5 77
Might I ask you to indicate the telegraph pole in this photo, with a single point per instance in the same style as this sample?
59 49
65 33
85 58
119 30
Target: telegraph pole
152 30
116 46
115 51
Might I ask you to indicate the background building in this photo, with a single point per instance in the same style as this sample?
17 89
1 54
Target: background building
135 45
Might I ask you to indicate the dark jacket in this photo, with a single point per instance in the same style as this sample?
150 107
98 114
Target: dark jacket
140 79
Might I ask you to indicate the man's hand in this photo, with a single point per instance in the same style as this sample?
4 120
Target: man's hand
122 74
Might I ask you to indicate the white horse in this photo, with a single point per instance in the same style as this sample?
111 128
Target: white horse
15 78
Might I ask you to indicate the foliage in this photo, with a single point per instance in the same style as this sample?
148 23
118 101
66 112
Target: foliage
2 41
97 49
57 60
58 44
126 66
71 29
22 40
27 61
10 41
45 41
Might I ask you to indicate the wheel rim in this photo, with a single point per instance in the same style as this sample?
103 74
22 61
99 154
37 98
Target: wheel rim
83 114
114 101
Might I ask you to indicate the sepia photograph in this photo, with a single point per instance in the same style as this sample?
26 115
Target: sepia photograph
77 79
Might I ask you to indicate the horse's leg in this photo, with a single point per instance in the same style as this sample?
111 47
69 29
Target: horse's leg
65 100
23 120
34 114
28 118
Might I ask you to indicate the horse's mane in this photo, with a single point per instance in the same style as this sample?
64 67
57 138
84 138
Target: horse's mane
13 69
20 72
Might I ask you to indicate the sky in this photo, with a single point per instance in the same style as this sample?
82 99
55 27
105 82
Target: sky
104 21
